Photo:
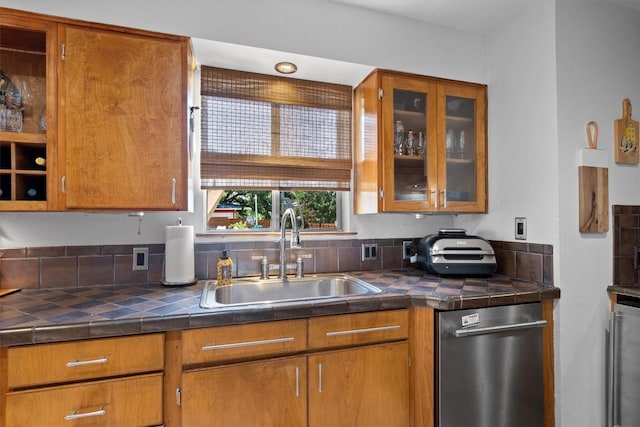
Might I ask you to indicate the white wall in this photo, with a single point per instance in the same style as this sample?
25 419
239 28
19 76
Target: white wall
598 63
317 28
522 128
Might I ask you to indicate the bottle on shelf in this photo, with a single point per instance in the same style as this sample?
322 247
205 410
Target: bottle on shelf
40 161
31 188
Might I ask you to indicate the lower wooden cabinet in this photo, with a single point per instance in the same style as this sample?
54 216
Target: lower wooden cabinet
261 394
135 401
361 387
100 382
354 372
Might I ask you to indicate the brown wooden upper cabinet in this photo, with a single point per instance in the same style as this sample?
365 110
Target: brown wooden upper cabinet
27 105
420 144
109 116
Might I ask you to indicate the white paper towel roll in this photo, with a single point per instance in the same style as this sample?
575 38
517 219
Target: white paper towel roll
179 259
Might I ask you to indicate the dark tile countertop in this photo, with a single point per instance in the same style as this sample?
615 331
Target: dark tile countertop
625 290
65 314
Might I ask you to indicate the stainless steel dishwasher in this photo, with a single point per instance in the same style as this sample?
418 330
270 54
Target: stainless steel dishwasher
489 367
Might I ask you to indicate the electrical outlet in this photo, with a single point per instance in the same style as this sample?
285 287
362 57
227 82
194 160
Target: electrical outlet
140 259
407 249
369 251
521 228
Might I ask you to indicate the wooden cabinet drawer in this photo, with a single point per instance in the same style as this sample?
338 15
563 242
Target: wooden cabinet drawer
135 401
243 341
355 329
73 361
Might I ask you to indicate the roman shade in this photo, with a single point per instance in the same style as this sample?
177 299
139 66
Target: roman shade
267 132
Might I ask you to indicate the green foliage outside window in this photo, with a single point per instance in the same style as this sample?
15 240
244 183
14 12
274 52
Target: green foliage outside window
318 207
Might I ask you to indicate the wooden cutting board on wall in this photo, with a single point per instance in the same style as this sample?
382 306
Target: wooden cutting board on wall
626 136
593 185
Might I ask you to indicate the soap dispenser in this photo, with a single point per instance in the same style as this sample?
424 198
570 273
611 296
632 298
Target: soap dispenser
225 268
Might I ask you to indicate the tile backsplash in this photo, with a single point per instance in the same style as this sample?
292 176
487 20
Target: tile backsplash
626 237
70 266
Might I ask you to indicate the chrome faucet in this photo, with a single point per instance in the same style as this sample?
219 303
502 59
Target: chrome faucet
295 238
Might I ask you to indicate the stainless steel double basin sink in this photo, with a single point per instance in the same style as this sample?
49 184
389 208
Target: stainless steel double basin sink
264 291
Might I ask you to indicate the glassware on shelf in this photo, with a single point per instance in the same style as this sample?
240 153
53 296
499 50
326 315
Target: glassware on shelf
462 142
420 144
42 120
10 105
26 96
10 119
9 94
411 144
449 143
398 143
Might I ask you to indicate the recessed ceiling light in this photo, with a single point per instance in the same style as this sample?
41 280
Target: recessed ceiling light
286 67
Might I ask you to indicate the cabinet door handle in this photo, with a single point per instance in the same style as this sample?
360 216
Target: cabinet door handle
75 415
173 191
434 196
297 381
63 184
76 363
361 331
247 343
319 377
444 198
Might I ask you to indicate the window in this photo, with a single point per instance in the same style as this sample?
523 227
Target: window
268 141
246 210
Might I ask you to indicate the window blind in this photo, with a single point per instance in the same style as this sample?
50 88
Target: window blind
268 132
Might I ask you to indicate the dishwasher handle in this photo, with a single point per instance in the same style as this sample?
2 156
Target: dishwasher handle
460 333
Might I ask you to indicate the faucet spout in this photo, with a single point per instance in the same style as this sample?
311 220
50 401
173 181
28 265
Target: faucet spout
295 238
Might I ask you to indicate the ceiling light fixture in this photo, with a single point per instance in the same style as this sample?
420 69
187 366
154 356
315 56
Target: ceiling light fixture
286 67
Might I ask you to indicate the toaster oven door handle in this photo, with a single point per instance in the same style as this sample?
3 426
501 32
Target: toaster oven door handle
443 252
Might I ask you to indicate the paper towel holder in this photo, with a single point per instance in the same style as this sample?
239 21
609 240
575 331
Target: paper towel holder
187 283
163 281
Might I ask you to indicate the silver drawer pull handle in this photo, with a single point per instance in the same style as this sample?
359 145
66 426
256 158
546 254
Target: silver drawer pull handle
246 343
494 329
87 362
75 415
361 331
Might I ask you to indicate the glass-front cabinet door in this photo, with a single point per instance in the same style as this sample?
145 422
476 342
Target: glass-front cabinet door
462 153
419 144
410 149
27 94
